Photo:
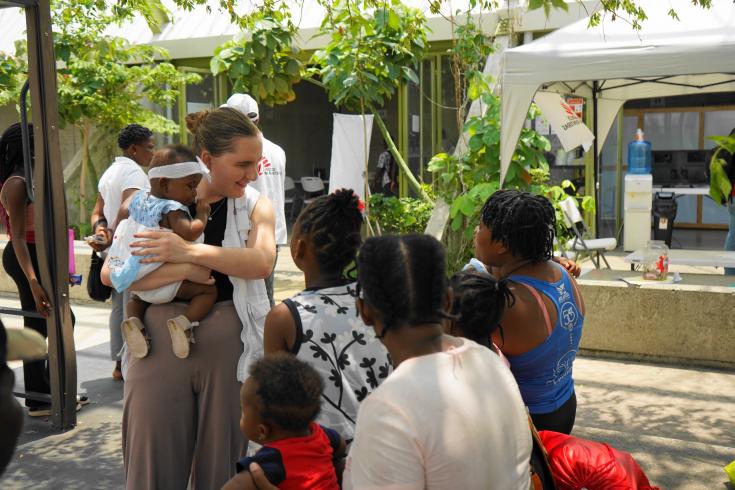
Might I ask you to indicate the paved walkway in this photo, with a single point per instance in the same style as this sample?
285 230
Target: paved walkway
679 423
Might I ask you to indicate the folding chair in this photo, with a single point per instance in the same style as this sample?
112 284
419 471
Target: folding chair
573 221
289 188
313 187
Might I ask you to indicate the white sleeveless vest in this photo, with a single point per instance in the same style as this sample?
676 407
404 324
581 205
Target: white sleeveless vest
248 295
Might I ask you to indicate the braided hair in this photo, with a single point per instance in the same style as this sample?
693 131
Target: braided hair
523 222
333 224
11 150
132 134
404 278
290 390
479 303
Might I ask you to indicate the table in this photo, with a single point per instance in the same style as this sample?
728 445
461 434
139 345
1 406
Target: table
701 258
683 191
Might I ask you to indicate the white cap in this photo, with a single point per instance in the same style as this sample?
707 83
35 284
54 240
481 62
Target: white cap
245 104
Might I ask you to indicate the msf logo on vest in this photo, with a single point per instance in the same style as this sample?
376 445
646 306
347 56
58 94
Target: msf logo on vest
262 165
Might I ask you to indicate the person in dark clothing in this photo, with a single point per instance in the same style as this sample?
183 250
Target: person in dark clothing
20 260
730 240
385 180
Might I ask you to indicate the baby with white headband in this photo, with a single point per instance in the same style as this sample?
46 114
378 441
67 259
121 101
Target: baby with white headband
175 173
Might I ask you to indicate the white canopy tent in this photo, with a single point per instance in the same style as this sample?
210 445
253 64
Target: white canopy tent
612 63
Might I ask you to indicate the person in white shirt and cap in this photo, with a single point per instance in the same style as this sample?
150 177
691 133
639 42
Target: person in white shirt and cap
271 176
117 185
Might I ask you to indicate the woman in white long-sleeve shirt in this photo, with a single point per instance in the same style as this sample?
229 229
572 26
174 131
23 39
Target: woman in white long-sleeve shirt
450 415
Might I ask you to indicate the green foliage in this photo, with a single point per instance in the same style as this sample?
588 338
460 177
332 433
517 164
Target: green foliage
266 65
103 82
724 143
373 48
720 185
557 193
13 71
627 10
467 56
399 215
466 181
547 5
370 52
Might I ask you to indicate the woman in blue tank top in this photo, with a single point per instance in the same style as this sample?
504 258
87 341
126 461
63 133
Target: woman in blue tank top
540 332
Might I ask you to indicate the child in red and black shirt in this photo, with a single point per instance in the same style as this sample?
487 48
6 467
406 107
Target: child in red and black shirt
280 401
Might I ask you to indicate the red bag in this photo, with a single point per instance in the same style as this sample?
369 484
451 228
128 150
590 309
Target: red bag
579 463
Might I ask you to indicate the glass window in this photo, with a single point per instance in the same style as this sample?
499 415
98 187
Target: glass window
717 123
201 95
672 130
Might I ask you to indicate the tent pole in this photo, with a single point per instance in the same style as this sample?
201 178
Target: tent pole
596 158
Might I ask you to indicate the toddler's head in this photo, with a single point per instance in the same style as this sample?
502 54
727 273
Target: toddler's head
177 183
478 304
280 399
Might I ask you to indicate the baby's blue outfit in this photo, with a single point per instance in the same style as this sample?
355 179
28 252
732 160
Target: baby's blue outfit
148 211
475 265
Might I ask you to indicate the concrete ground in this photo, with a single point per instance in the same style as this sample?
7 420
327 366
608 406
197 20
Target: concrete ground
678 422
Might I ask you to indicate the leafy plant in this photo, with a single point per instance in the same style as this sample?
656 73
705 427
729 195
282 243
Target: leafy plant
266 65
468 55
102 81
399 215
721 187
629 11
369 53
372 50
13 71
467 180
540 184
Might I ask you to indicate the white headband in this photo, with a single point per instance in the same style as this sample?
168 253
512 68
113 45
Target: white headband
178 170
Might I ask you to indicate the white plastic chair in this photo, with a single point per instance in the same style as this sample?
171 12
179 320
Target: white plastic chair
590 246
313 187
289 188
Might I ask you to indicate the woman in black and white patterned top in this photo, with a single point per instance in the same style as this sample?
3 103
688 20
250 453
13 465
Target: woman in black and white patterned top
320 325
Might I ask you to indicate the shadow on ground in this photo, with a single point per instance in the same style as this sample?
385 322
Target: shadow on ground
79 458
678 423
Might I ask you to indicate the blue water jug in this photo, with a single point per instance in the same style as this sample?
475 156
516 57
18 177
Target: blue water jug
639 155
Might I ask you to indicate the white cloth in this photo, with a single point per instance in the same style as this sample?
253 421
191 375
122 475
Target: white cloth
162 295
349 144
567 125
122 175
249 295
271 183
180 170
449 420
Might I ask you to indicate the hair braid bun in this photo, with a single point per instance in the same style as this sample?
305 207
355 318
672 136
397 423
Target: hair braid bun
332 223
196 119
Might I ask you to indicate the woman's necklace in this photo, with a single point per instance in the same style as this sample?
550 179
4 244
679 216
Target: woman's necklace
221 203
517 266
